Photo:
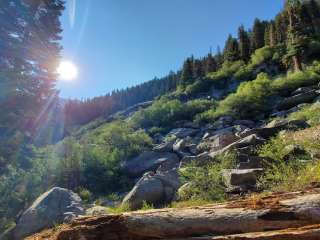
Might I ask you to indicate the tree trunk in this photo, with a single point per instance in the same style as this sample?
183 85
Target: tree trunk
254 215
297 66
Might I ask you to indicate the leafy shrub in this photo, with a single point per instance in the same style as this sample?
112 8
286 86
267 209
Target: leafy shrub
164 113
206 183
84 194
262 55
284 174
295 80
250 101
225 73
310 113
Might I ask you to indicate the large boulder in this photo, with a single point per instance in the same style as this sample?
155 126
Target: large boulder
156 189
304 97
148 161
239 177
56 206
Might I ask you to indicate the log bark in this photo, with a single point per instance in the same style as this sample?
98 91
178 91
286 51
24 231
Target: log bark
271 213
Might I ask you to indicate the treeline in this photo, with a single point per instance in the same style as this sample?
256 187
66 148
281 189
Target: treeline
81 112
291 28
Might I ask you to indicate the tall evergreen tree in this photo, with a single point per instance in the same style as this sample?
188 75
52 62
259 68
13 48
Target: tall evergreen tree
198 69
187 72
244 44
210 64
257 37
297 37
231 51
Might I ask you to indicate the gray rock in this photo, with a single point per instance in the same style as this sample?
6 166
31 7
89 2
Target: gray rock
200 159
155 189
305 97
183 132
180 145
147 161
249 161
164 147
303 90
96 211
240 177
275 127
53 207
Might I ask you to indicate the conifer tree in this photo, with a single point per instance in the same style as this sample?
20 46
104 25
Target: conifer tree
210 64
257 38
244 44
187 72
219 58
198 69
297 37
231 51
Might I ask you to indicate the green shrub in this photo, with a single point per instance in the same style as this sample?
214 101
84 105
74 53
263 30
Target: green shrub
287 174
84 194
297 79
164 113
225 73
310 113
250 101
262 55
205 183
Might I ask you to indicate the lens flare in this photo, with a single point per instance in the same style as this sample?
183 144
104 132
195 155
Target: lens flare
67 71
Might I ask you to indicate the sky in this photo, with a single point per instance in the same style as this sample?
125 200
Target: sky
120 43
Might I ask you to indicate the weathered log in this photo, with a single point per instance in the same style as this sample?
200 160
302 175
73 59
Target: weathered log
254 215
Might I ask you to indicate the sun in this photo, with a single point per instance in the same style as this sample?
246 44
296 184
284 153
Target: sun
67 71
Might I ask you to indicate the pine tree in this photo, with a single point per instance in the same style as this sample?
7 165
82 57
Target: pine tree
210 64
219 58
187 72
198 69
244 44
231 51
257 38
297 37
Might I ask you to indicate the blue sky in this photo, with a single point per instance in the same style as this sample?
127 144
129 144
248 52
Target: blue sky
121 43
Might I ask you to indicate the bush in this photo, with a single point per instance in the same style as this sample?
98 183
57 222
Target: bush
250 101
283 174
225 73
205 183
84 194
310 113
292 81
262 55
164 113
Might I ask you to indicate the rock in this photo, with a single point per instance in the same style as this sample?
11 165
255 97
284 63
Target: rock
223 122
96 211
303 90
249 161
220 139
182 132
200 159
155 189
239 177
249 141
274 127
53 207
180 145
164 147
247 123
148 161
294 151
305 97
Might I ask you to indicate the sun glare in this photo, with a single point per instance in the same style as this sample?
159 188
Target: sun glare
67 71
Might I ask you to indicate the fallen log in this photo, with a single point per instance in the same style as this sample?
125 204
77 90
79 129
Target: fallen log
271 213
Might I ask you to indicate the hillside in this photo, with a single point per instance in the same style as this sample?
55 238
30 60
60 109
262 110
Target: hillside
240 128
